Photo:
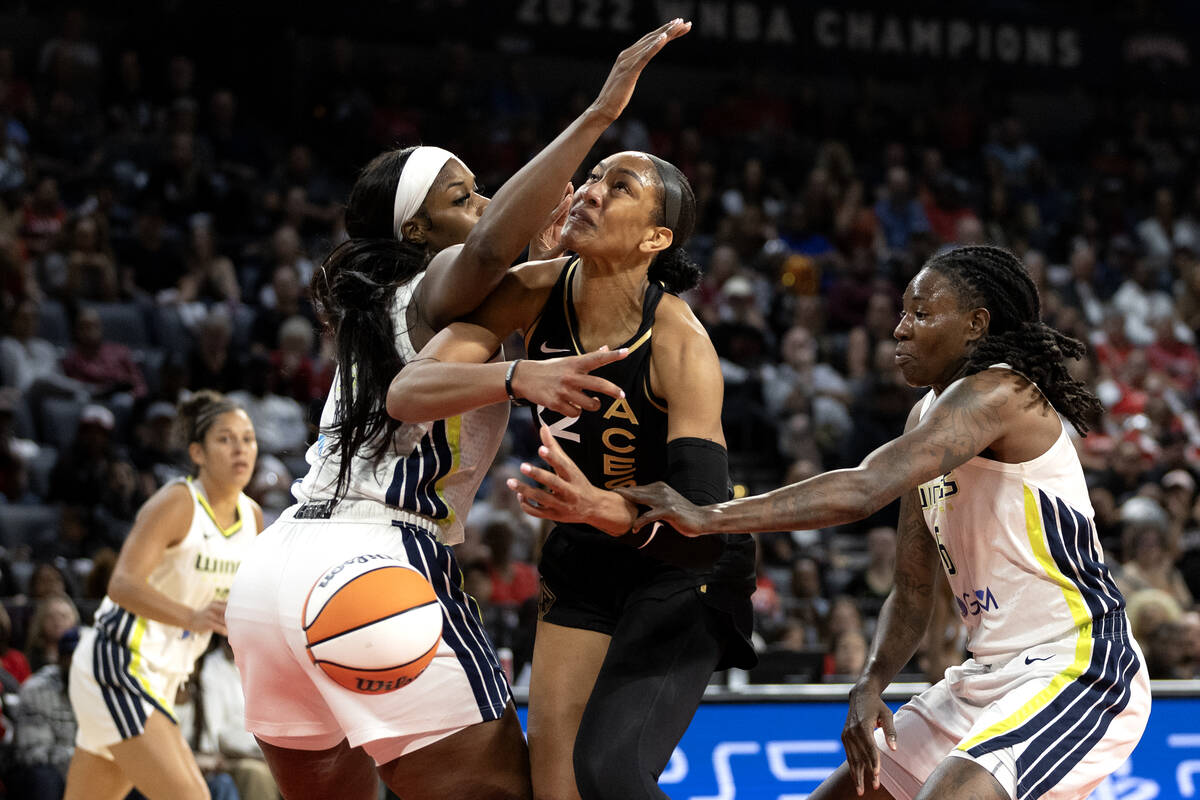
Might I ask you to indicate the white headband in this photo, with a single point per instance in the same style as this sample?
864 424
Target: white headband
420 171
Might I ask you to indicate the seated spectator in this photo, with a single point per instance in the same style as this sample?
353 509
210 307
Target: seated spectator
1147 609
287 298
12 661
807 604
294 374
91 272
280 422
151 262
847 657
801 381
210 276
15 454
513 581
1168 656
213 364
52 617
94 471
155 453
223 727
42 217
45 727
872 585
899 213
1143 303
30 364
1151 565
105 368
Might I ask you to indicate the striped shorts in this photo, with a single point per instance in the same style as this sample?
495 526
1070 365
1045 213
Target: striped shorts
290 702
1051 722
111 694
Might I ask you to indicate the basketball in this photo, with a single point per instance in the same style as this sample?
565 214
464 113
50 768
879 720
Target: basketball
372 623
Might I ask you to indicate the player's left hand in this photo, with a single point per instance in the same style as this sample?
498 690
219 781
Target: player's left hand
566 495
665 505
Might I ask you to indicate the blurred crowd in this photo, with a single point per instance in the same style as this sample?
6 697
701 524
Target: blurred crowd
157 236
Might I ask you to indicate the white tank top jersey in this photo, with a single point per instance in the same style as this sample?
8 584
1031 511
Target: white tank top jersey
431 469
195 572
1019 545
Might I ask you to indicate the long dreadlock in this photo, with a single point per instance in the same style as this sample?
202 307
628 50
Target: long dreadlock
995 279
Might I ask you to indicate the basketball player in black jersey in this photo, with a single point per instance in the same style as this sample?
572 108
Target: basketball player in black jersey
631 627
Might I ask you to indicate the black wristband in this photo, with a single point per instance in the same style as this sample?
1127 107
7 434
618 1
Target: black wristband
508 378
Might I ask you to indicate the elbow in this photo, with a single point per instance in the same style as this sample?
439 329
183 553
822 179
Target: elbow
118 589
403 401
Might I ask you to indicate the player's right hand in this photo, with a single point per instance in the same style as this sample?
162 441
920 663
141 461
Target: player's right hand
618 88
867 712
209 618
564 384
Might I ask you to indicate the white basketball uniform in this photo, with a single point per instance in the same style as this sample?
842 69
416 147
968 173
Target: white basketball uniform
1056 694
410 505
126 666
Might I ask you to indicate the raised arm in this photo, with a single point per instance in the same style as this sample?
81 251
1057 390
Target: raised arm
968 418
458 280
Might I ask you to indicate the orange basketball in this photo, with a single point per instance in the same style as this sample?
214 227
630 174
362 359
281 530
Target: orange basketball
372 622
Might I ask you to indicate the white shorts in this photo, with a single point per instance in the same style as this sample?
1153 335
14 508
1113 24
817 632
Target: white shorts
1051 722
113 694
291 703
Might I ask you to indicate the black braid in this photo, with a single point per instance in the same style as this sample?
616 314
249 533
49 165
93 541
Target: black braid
995 279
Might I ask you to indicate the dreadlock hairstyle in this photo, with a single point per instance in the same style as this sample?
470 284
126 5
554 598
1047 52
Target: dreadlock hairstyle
352 292
995 279
677 211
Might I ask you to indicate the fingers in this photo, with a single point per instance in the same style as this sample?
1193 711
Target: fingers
554 455
889 729
539 499
598 358
551 481
219 627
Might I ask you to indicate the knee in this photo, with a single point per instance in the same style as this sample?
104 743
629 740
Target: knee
612 773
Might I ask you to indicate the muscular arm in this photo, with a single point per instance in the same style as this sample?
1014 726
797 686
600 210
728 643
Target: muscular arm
906 612
450 375
454 286
969 416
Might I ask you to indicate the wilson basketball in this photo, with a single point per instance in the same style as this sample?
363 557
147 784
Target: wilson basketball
372 623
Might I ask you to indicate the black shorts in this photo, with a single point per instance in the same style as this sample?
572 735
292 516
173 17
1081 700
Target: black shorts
590 580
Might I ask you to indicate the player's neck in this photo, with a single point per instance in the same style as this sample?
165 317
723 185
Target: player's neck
608 304
222 498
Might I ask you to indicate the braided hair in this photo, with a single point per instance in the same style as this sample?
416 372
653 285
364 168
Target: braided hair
352 291
995 279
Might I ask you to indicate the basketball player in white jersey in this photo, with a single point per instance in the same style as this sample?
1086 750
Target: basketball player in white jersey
422 251
166 597
1055 695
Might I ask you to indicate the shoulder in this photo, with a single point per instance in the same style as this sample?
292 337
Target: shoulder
258 513
996 393
677 326
173 501
537 275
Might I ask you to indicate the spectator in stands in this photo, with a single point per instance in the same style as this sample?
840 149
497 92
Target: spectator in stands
513 581
45 727
293 371
213 364
151 263
210 276
1142 302
221 714
29 363
280 423
1151 563
1162 232
873 583
899 213
285 298
12 659
104 367
53 616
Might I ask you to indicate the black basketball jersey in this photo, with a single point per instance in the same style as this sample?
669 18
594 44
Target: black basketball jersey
624 442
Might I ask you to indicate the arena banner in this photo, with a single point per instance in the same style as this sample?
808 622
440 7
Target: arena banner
782 750
864 36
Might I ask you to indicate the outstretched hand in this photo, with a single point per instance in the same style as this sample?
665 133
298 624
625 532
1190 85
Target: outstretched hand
564 384
618 88
547 243
665 505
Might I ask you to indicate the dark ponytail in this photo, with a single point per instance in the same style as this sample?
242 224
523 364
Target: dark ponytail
196 415
673 267
352 292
